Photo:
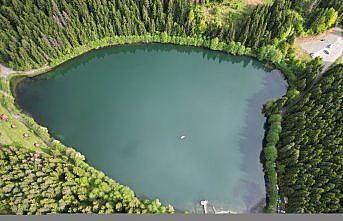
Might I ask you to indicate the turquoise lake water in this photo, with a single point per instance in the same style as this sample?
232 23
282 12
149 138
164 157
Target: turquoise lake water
126 107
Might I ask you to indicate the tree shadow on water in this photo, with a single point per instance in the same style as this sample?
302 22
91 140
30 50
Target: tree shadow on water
251 140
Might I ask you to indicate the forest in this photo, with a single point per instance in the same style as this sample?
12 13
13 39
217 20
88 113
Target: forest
39 183
310 151
35 32
304 138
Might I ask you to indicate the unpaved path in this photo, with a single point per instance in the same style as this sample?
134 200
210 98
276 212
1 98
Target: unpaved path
5 71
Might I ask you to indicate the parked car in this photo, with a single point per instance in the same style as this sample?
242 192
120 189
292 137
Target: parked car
329 46
326 51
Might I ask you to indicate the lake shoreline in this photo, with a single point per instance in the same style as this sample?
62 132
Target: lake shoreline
128 40
48 68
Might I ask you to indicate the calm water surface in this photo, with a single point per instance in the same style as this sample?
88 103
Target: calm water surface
126 107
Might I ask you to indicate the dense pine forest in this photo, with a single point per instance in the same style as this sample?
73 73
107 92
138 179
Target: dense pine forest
305 140
310 151
39 183
35 32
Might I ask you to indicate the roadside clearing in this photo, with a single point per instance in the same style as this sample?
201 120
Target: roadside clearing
317 45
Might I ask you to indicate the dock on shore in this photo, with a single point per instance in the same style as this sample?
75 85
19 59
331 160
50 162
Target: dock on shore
205 205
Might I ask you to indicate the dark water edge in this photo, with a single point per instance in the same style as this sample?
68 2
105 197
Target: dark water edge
221 56
256 104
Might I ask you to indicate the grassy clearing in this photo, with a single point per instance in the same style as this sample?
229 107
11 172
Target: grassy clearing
10 135
233 10
258 2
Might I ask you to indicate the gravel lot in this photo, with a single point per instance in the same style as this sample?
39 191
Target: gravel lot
317 44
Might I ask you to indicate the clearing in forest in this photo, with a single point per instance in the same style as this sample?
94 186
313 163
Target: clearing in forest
328 45
234 10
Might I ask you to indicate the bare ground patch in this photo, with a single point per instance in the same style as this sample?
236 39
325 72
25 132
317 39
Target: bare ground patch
5 71
327 45
255 2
